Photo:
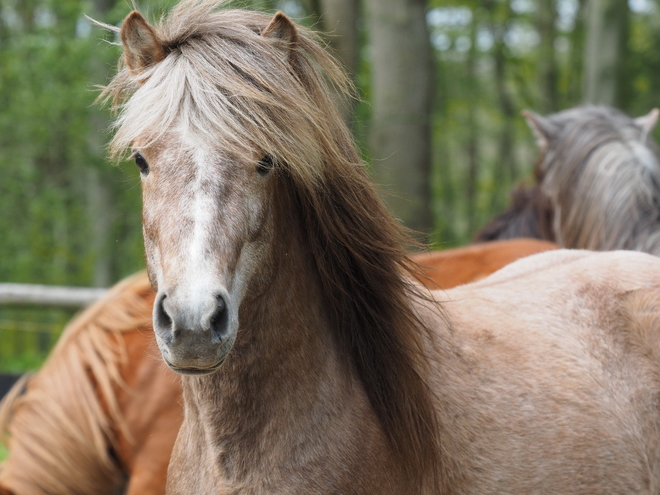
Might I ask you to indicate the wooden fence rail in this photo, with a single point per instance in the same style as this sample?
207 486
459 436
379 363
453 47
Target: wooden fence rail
48 295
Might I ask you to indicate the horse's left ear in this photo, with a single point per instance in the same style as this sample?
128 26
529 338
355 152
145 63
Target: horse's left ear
648 122
542 128
142 45
282 28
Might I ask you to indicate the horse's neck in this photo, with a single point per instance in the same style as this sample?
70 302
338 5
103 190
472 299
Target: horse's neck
284 399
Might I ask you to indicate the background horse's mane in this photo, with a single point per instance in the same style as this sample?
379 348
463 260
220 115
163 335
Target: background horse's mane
66 444
598 183
232 85
602 176
529 215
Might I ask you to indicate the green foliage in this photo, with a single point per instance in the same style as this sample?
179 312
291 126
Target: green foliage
489 68
27 335
71 218
50 145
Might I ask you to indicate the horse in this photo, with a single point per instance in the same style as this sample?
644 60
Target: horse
102 414
597 183
309 362
102 441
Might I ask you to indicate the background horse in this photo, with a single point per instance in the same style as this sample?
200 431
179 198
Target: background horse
102 413
310 364
598 183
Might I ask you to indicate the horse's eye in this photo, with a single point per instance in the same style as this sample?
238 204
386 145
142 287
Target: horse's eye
141 163
265 165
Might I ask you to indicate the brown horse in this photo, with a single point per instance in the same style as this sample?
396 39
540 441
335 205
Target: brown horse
102 414
597 183
310 364
102 381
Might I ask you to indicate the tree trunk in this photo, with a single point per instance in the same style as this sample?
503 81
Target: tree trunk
402 94
339 19
607 28
472 128
98 190
576 62
506 171
547 16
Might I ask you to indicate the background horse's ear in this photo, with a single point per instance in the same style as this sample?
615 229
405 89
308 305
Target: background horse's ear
142 46
542 128
647 122
283 28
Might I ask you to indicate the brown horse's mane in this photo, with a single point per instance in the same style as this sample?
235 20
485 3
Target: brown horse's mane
67 444
270 95
357 247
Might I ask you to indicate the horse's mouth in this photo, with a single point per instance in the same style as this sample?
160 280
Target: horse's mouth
192 370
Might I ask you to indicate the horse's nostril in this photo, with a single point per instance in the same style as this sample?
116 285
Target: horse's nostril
163 322
220 301
219 320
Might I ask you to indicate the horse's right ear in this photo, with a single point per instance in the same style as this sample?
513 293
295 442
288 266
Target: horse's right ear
648 122
142 46
542 128
283 28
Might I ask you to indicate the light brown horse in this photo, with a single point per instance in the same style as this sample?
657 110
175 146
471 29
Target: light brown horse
310 364
119 409
102 414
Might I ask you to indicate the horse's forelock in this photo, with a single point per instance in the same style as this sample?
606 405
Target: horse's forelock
236 89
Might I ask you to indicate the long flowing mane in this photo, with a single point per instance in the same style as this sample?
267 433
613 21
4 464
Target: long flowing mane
252 93
598 184
67 444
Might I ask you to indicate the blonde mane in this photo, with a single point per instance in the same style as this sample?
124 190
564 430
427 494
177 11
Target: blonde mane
228 84
66 445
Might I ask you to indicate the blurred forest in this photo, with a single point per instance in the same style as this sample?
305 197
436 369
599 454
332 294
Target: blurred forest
69 217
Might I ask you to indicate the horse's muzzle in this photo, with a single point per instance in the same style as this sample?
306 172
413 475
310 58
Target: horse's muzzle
194 335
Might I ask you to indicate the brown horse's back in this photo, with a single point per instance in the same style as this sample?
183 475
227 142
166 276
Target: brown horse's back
550 376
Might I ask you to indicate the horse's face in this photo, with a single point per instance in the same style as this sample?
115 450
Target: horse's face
206 181
204 222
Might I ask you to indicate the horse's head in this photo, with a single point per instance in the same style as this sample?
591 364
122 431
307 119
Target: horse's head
585 128
599 172
210 124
